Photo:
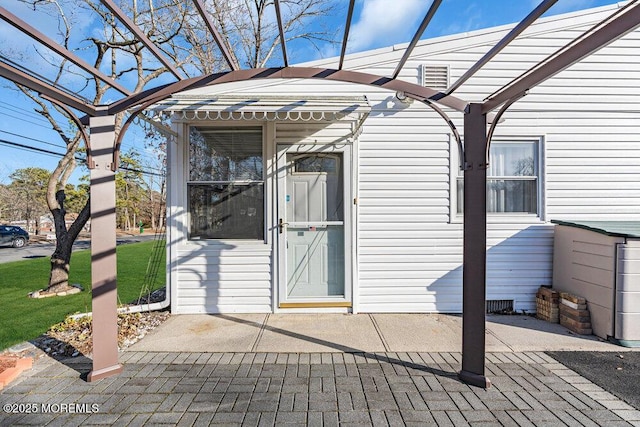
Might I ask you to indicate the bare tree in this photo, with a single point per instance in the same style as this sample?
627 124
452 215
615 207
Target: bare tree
175 27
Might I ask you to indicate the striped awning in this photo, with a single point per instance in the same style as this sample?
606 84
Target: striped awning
271 108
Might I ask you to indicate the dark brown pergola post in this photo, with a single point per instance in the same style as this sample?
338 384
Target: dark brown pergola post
474 250
103 248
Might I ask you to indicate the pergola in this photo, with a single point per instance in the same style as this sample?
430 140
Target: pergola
480 119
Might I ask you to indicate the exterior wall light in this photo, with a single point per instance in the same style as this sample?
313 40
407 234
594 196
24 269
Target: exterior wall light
402 97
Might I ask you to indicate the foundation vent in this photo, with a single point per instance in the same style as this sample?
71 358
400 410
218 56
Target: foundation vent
435 76
495 306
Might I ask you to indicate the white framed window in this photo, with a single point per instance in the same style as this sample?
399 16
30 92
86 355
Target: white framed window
225 190
514 178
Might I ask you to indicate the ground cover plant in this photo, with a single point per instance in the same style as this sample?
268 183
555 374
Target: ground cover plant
140 270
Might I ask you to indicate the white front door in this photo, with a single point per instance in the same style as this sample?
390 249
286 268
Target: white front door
314 226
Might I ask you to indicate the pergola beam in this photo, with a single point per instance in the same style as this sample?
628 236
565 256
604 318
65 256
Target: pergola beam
283 43
413 90
141 36
24 79
345 37
416 37
21 25
515 32
228 55
612 28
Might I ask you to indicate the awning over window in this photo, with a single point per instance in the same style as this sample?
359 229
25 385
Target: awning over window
190 107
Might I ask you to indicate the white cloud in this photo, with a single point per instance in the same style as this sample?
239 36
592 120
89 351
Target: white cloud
384 22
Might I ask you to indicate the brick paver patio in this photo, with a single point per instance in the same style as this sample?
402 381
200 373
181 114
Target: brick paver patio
314 389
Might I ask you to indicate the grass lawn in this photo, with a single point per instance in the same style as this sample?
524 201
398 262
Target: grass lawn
23 318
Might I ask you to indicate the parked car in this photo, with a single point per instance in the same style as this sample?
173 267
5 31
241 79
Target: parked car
15 236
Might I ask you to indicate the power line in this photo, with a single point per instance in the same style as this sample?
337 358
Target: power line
26 147
140 171
140 151
17 109
32 139
27 121
143 153
53 153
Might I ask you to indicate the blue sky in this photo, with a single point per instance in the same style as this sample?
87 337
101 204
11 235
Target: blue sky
381 23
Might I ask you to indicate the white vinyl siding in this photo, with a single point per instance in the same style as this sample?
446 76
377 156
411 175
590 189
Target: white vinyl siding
407 260
409 253
223 279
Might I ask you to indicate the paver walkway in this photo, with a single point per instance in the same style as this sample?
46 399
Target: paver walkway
314 389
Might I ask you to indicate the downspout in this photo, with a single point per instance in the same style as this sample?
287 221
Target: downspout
154 306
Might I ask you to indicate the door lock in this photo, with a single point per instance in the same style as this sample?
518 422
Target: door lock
281 225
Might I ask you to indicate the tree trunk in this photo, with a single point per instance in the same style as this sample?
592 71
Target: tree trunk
153 219
59 277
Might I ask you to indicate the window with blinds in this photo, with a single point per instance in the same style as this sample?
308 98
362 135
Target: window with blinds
225 190
512 178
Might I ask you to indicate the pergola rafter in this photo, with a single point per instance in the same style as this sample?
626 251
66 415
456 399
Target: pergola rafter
345 37
498 47
128 22
18 76
416 37
283 41
228 55
610 29
60 50
474 151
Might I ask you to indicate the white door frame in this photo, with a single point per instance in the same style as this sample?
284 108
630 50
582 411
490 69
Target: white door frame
280 248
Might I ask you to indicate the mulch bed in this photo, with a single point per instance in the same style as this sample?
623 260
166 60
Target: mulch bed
72 337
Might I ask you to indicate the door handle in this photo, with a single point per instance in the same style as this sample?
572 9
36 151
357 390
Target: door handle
281 225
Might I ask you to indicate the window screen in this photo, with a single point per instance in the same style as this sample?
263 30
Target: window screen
226 184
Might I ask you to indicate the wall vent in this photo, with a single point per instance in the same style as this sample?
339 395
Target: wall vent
496 306
435 76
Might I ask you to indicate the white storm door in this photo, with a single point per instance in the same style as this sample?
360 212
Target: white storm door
314 226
